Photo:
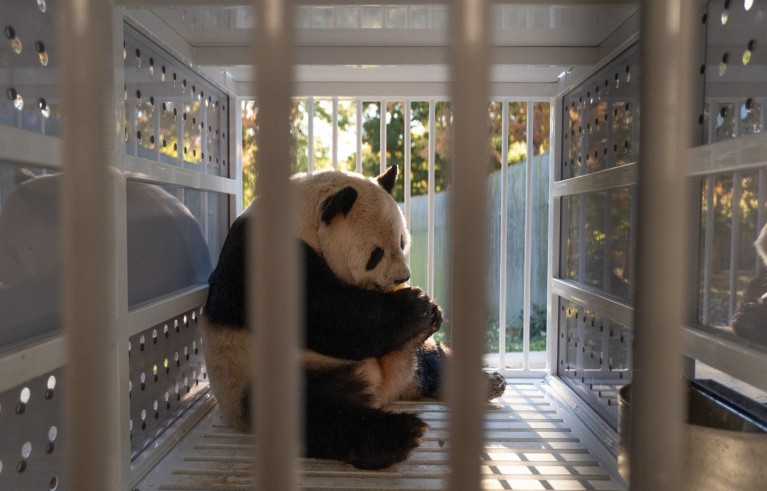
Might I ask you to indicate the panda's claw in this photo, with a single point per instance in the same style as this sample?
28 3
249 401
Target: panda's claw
496 385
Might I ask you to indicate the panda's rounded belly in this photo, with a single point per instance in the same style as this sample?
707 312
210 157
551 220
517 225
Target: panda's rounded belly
387 379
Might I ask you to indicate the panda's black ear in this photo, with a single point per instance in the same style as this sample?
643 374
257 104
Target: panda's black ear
341 202
388 178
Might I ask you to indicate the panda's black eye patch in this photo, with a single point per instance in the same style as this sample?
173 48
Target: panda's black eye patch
375 258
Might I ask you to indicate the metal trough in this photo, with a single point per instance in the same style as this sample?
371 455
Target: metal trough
726 444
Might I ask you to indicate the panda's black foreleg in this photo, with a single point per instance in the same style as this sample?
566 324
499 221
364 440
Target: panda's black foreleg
430 372
366 438
432 358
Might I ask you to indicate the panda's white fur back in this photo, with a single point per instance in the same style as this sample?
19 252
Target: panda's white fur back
227 358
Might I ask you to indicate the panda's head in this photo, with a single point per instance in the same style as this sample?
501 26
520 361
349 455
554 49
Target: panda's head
360 230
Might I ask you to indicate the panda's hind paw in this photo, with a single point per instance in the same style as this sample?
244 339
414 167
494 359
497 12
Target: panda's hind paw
496 385
389 443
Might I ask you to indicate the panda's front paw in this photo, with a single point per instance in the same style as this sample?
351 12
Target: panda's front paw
436 318
417 310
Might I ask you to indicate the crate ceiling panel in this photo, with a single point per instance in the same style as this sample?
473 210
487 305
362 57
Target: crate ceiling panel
532 43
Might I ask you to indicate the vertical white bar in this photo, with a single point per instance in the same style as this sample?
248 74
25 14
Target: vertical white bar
235 152
737 191
382 135
89 263
658 396
760 218
555 222
406 170
527 271
132 138
179 133
156 120
761 197
708 249
430 199
581 275
712 112
504 231
359 136
466 386
273 265
310 132
335 128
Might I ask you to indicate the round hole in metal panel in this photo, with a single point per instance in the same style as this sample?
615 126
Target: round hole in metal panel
723 64
16 44
16 98
26 450
42 55
54 484
53 432
45 109
21 466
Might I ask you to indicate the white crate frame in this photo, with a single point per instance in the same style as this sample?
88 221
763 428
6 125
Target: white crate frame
37 358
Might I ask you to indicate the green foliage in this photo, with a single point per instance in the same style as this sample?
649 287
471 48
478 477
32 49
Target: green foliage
514 332
395 139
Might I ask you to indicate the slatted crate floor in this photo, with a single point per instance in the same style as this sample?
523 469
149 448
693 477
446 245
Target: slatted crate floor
533 443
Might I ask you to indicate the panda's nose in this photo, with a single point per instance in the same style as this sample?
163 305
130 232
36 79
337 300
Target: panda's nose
403 280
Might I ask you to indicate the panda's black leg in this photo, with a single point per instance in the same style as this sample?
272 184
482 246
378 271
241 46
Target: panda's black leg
431 366
363 437
431 361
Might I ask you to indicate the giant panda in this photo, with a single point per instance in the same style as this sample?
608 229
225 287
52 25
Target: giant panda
750 319
367 335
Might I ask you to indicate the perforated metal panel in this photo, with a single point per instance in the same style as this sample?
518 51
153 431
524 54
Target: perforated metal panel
600 132
28 67
733 203
172 114
167 377
601 118
31 416
595 356
735 87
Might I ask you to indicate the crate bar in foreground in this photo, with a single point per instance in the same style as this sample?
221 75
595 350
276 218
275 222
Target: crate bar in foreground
92 421
273 273
466 385
658 395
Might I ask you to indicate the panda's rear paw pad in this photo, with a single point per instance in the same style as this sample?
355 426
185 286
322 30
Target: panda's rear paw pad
390 443
496 385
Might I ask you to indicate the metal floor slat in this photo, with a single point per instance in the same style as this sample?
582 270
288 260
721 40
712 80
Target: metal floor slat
533 443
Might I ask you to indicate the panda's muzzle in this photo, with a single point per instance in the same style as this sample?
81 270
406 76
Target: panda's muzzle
403 280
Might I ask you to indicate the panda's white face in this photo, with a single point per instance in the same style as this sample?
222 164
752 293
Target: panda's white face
368 246
360 230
